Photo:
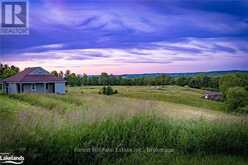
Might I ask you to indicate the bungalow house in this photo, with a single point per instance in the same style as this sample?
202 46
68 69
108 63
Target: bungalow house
33 80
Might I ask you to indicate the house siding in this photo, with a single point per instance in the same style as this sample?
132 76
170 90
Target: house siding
40 88
60 88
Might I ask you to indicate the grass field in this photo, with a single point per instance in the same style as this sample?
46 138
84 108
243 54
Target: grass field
166 125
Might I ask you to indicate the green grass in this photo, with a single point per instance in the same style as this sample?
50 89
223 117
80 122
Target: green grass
66 145
56 129
51 102
174 94
179 159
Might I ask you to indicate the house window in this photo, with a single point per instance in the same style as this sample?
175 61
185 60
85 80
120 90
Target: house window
33 87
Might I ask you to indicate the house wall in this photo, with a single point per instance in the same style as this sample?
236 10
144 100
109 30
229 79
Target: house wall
40 88
4 88
27 88
12 88
60 88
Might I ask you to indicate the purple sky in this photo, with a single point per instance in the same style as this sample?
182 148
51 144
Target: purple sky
125 36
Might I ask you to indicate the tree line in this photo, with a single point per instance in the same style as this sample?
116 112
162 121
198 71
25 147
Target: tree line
205 82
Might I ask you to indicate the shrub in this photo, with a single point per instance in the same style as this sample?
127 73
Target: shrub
233 80
243 109
237 97
107 91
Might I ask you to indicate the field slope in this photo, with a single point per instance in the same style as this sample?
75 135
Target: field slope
61 129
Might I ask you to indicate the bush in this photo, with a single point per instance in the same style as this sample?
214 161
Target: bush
108 91
243 109
233 80
236 98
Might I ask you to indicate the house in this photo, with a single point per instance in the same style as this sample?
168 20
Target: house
33 80
216 96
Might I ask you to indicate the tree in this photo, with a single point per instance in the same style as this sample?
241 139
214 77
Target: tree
104 79
6 71
195 82
233 80
181 81
61 74
74 80
236 97
67 73
55 73
85 79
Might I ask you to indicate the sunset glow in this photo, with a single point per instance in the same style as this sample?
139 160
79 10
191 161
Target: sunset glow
132 37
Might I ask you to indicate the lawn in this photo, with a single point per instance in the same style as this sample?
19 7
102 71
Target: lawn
146 125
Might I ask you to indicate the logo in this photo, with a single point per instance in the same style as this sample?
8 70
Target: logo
7 158
14 17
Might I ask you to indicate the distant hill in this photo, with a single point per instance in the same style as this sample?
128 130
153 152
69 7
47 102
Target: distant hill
190 74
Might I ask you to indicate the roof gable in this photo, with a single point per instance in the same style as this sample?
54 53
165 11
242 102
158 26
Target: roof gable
34 75
38 71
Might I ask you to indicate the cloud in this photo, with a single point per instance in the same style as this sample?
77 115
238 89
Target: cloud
132 33
187 50
138 18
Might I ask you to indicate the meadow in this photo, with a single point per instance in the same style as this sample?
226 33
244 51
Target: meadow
139 125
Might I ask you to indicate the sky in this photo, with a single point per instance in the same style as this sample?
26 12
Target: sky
132 36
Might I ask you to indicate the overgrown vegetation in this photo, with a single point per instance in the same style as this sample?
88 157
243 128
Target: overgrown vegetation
235 90
54 129
107 90
98 143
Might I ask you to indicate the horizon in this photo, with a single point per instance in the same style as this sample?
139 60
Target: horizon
140 37
145 72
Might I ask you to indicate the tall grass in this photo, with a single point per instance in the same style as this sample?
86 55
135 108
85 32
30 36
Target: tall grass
47 101
70 143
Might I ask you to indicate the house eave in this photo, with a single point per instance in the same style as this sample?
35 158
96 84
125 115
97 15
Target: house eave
28 82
